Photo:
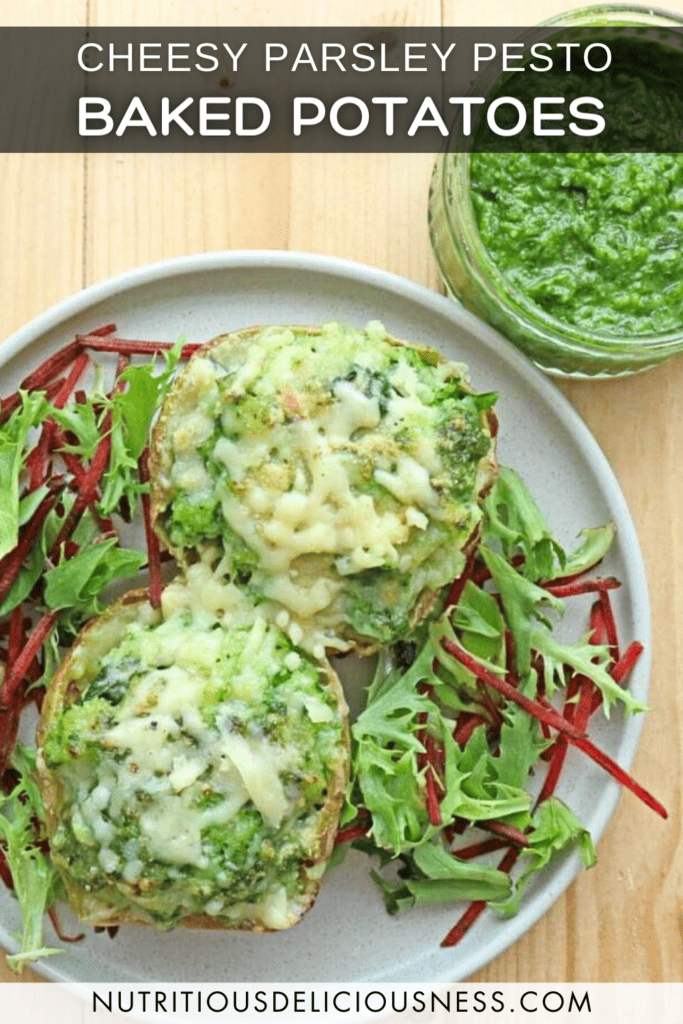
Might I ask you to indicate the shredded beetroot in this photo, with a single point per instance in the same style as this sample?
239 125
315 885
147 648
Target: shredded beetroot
432 800
479 849
38 460
490 707
574 589
88 493
598 625
558 754
610 766
436 759
467 722
16 635
101 332
356 830
90 481
11 564
64 394
458 585
8 406
132 347
347 835
627 662
11 703
12 402
544 712
560 580
5 873
532 707
579 714
51 367
508 833
16 672
610 625
458 932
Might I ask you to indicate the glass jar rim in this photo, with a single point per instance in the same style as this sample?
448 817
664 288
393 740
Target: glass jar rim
488 275
637 10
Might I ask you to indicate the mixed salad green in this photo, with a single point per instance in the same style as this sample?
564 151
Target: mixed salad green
459 718
421 697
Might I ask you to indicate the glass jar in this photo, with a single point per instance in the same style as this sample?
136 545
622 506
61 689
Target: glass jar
471 277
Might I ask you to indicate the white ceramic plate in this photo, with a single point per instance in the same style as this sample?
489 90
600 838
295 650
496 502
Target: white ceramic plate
348 936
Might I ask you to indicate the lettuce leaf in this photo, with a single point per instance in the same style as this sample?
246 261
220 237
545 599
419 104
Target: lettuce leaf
77 582
597 540
514 518
586 659
523 603
439 877
14 435
132 413
479 784
484 780
36 883
555 829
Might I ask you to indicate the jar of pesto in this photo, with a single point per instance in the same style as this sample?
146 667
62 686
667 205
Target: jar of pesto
577 258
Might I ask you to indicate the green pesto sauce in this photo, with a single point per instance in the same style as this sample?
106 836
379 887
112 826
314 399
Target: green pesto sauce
594 239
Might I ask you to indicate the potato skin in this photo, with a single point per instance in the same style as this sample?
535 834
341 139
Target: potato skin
161 459
65 688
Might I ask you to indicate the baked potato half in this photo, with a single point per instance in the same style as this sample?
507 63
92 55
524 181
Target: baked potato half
192 763
337 471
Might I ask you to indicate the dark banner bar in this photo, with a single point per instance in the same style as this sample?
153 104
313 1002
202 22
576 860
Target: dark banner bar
341 90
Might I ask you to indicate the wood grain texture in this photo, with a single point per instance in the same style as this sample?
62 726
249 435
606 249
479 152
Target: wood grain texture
67 223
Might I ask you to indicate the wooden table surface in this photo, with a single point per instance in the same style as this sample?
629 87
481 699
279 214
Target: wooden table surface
67 221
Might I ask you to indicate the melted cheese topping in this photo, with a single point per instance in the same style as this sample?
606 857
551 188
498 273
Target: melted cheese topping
194 740
164 748
327 461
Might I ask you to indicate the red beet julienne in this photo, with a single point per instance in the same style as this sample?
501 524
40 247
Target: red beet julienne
589 699
479 849
356 829
546 713
38 460
92 477
132 347
51 367
11 564
100 339
12 691
458 584
572 589
12 402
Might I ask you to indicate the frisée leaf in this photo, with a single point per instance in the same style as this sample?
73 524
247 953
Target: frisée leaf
555 828
36 883
13 437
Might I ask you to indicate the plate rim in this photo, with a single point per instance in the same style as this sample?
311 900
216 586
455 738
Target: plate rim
571 420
